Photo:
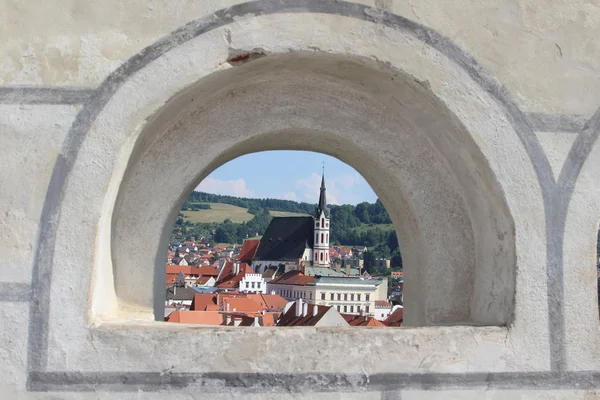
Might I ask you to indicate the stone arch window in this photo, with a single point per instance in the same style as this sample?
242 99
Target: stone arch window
455 199
327 238
322 238
322 221
321 256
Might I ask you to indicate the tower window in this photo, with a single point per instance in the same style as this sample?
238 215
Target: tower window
317 238
321 256
322 238
322 221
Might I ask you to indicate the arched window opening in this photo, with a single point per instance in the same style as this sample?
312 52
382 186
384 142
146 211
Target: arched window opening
229 239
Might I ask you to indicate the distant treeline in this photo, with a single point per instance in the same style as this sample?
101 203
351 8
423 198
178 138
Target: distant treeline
350 225
347 215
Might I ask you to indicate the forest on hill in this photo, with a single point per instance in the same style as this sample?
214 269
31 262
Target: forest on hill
366 224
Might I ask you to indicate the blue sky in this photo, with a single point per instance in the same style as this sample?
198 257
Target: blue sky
291 175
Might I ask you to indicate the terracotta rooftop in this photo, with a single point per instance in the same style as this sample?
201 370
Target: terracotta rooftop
196 317
396 318
360 320
248 250
290 319
294 277
270 301
228 279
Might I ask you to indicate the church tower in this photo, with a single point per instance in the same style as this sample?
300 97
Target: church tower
321 244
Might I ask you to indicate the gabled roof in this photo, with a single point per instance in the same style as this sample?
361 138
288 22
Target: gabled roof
293 277
270 301
230 280
286 238
180 293
396 318
248 250
360 320
203 280
204 302
290 319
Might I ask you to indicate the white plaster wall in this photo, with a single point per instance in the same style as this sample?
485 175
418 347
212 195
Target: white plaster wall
544 54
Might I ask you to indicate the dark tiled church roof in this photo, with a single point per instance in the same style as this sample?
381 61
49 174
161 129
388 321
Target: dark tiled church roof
286 238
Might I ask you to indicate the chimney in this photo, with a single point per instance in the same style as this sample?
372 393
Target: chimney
305 310
348 269
228 319
236 267
298 307
256 321
315 310
228 306
338 267
361 312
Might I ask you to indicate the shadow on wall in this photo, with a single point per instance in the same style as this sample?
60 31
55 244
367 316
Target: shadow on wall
451 217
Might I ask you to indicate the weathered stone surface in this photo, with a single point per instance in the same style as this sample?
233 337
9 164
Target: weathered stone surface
474 123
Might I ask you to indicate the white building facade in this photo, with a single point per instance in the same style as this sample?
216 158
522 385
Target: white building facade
253 283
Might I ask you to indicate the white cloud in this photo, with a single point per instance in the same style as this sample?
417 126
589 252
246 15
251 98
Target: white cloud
236 187
341 189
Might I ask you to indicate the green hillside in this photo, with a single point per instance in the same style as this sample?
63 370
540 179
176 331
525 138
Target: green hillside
219 212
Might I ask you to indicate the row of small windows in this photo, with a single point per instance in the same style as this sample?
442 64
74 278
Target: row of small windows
323 256
294 294
324 238
332 296
350 309
253 287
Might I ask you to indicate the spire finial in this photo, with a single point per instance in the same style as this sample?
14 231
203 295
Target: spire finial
323 167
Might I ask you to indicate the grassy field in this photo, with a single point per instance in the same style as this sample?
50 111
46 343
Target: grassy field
286 214
383 227
220 212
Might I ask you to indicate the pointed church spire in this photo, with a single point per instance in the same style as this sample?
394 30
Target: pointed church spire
322 197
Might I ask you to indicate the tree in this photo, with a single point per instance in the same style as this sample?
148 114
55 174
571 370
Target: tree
396 259
369 264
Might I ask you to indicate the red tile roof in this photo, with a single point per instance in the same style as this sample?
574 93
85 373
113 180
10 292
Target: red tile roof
208 271
359 320
196 317
204 302
396 318
270 301
248 250
202 280
382 304
228 279
294 277
290 319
